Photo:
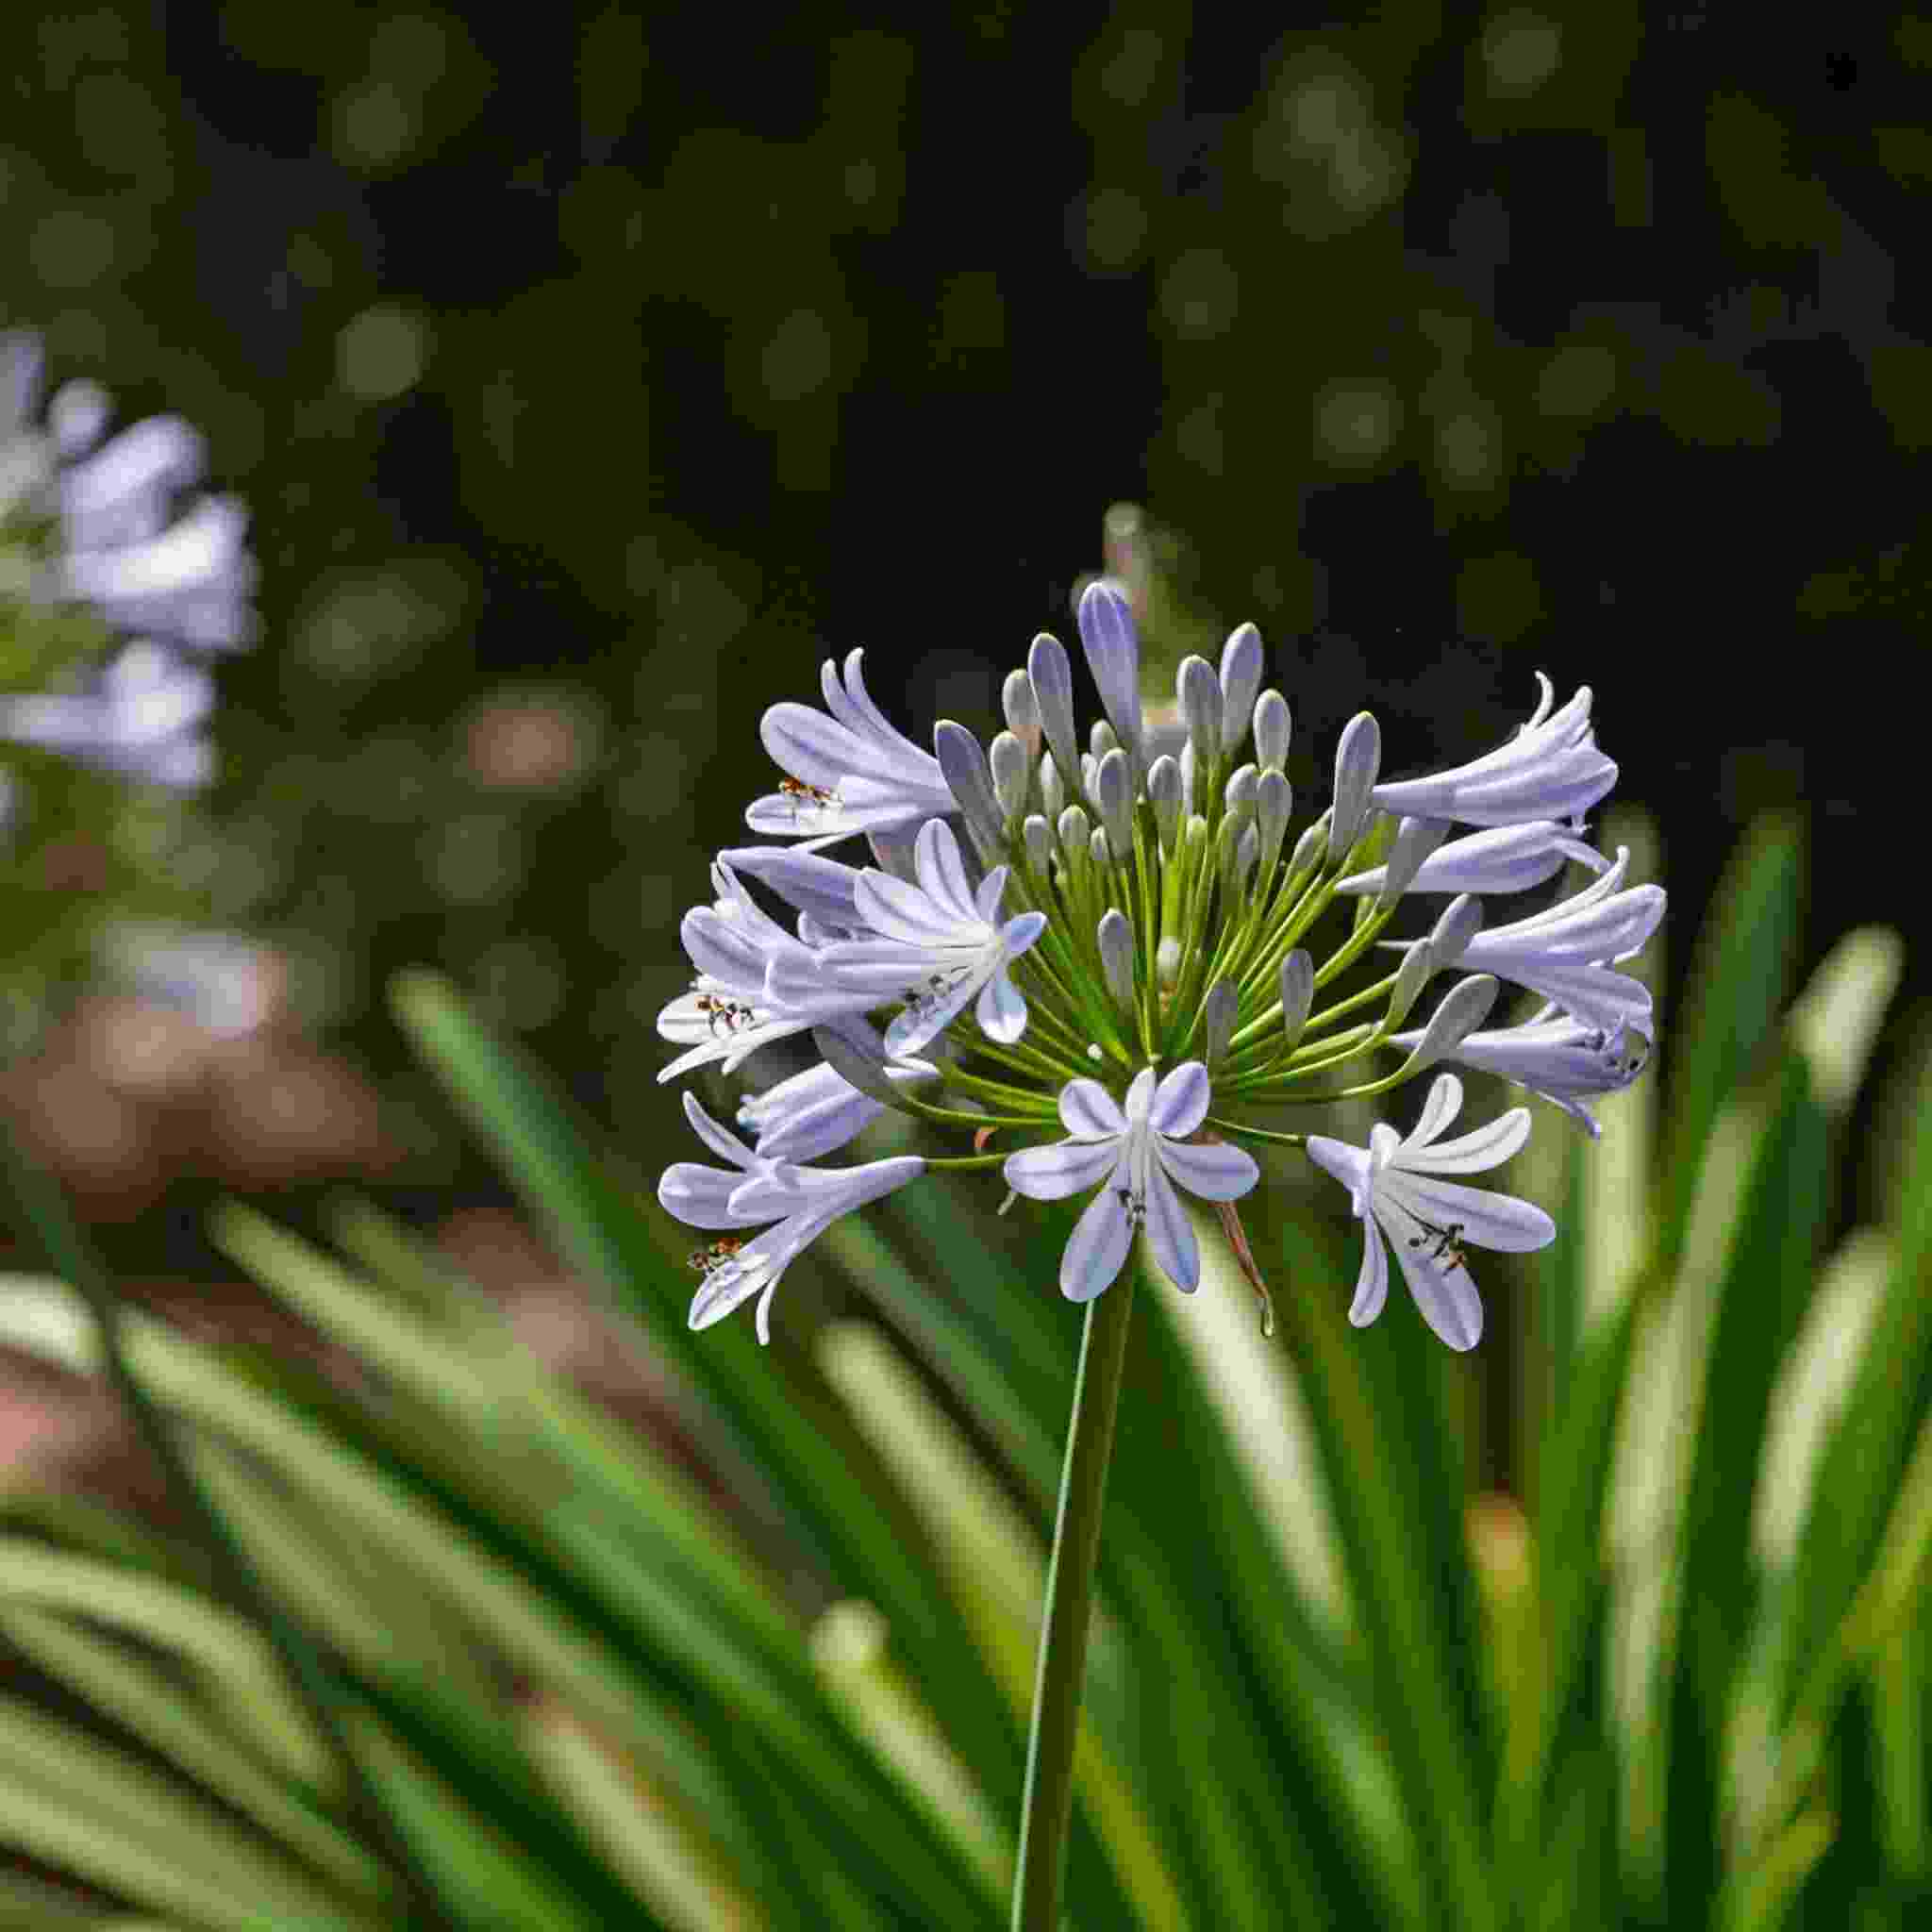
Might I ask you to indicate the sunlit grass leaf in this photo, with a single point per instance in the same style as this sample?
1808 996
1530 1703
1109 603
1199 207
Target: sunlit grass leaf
1864 1459
92 1809
1746 957
1396 1486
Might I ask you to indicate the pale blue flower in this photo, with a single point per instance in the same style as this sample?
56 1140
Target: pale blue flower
1395 1191
1136 1157
142 715
802 1201
1550 769
851 771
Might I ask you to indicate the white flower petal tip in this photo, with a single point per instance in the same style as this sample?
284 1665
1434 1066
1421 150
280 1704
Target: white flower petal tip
1137 1154
1395 1190
1550 769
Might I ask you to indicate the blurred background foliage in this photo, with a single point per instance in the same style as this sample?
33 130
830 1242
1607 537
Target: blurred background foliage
591 374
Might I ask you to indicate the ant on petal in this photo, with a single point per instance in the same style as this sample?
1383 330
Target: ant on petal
1448 1247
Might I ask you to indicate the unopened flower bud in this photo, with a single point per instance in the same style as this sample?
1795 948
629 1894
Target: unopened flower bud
1238 796
1010 770
1217 1021
1464 1009
1415 839
1038 837
1311 848
1072 829
1357 764
1053 789
1241 678
1102 740
1297 992
1460 923
1198 693
1271 731
1167 964
963 764
1164 794
1114 793
1273 807
1410 977
1022 709
1116 938
1097 847
1052 678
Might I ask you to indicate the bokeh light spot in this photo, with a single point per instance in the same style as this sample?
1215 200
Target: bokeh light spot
381 353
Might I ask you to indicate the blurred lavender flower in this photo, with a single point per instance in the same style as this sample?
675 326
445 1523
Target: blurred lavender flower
141 714
103 510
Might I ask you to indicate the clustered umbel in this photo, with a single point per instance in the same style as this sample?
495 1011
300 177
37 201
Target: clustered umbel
1113 967
126 572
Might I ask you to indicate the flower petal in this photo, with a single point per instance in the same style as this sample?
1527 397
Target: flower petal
919 1025
1212 1171
1482 1148
1089 1112
899 911
1439 1112
943 872
1372 1279
1020 932
811 746
720 1140
1001 1011
1481 1217
1068 1167
986 901
1097 1248
1181 1102
700 1196
1170 1233
1443 1291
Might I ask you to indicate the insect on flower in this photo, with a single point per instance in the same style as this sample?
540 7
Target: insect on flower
709 1259
730 1014
800 793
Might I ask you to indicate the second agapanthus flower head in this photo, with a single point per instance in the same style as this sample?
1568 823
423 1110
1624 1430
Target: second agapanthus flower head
111 532
1112 971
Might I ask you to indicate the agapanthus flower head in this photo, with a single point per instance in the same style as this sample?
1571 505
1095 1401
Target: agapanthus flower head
1117 959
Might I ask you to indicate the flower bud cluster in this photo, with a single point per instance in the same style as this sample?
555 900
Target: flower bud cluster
1113 951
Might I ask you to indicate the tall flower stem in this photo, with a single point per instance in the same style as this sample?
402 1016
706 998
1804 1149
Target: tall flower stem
1061 1672
40 1210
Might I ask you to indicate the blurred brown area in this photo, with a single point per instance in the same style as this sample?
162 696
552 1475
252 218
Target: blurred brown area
129 1097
